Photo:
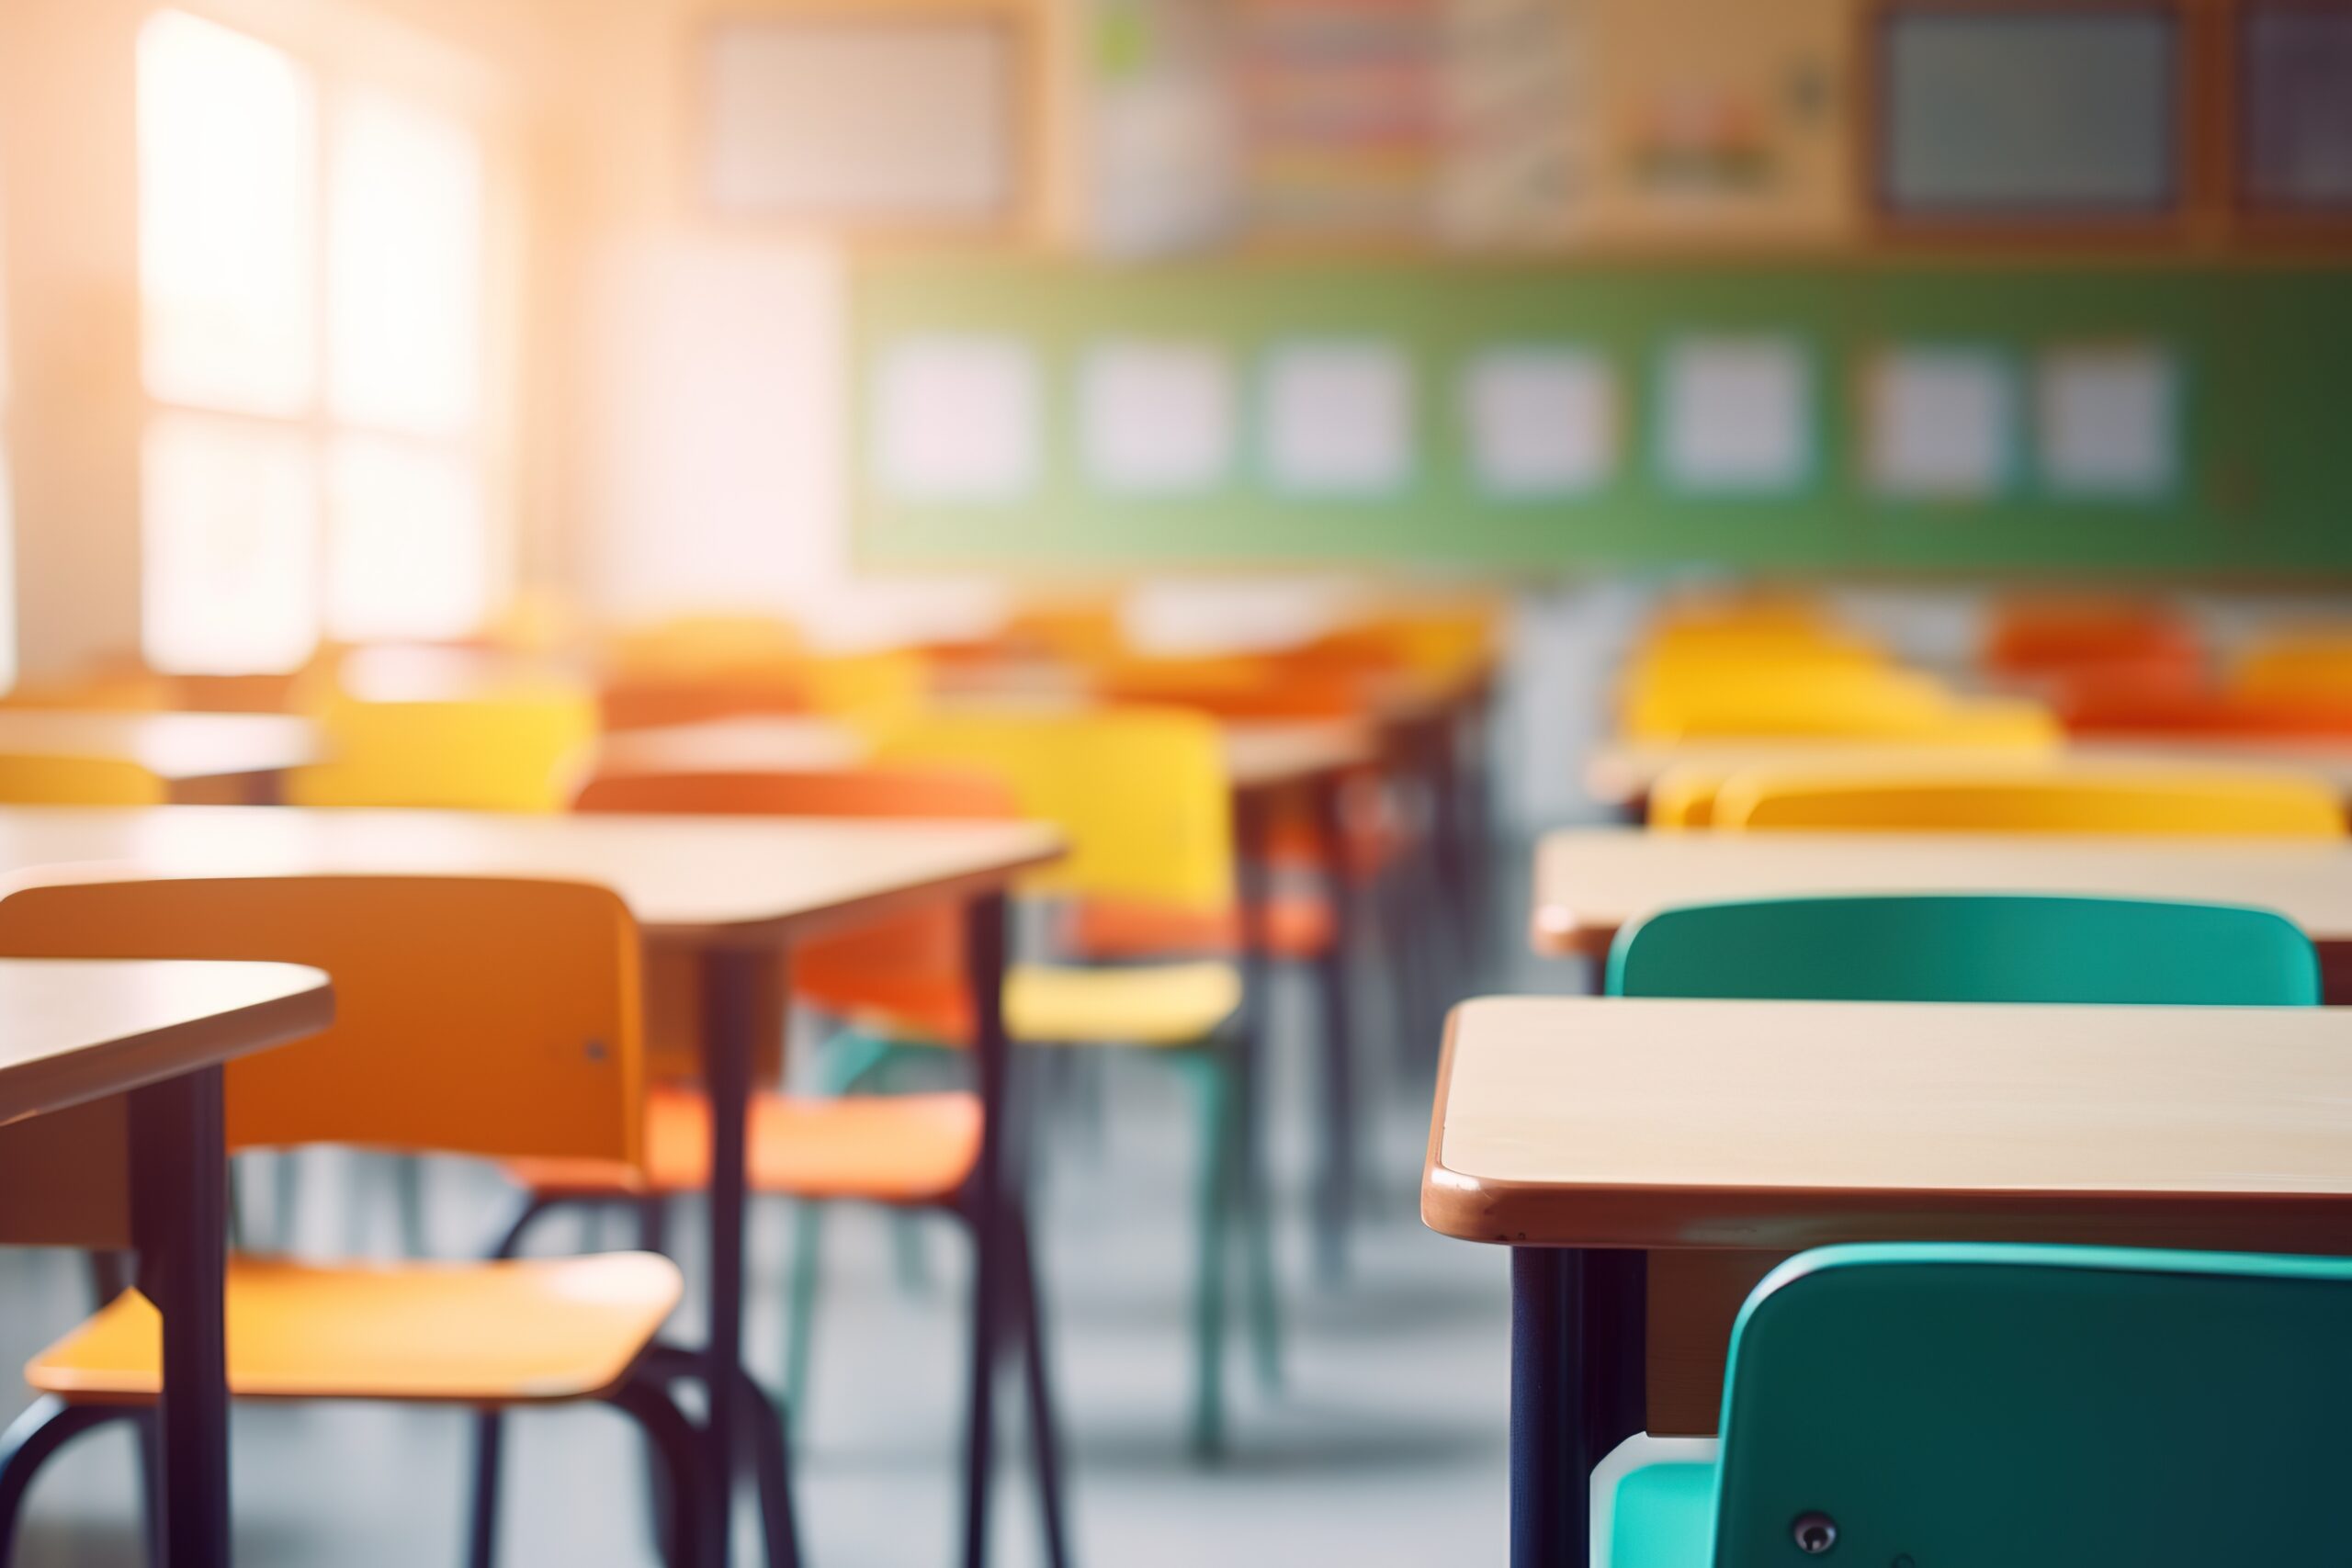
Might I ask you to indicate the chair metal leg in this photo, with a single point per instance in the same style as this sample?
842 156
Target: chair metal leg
1252 1195
47 1425
1045 1440
988 1295
800 1308
407 1187
677 1447
768 1435
1220 1130
489 1452
283 1172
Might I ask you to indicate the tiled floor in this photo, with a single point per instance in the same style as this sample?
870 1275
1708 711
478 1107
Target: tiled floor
1385 1445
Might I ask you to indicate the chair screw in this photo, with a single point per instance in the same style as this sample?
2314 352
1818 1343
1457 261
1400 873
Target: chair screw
1814 1533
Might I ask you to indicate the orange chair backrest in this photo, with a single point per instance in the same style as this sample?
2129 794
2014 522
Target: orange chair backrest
2141 706
473 1015
2042 637
910 967
77 781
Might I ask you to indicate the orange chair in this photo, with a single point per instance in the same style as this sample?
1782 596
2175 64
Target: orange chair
2044 637
910 975
2153 707
487 1017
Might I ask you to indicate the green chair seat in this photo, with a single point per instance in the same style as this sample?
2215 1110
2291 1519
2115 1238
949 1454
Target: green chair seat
1663 1517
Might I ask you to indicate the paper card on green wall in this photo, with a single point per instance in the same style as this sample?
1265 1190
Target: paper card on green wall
1942 422
957 419
1339 419
1157 419
2108 421
1540 420
1736 415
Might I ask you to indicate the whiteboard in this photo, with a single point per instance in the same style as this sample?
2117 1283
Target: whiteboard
909 117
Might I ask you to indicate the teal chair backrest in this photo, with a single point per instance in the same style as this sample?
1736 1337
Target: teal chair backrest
2038 1408
1968 948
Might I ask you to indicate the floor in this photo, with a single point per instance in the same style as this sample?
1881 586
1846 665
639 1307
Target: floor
1385 1440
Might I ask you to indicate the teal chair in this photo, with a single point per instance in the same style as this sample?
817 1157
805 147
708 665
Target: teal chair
1914 1405
1968 948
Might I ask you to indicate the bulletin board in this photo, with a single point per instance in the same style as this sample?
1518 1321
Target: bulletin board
1851 416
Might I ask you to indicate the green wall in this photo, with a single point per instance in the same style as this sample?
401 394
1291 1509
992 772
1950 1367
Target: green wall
2265 356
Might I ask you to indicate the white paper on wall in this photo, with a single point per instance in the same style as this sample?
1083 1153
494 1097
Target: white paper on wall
2108 421
1339 419
1539 422
957 419
1942 422
1157 418
1736 415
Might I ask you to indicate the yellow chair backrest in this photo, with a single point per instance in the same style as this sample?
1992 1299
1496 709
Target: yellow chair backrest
1829 703
869 690
78 781
514 751
2266 805
1139 793
1685 797
485 1016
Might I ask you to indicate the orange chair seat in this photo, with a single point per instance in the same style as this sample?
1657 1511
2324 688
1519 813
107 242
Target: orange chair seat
1297 927
533 1331
897 1148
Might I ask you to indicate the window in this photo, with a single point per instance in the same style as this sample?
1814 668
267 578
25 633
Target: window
312 266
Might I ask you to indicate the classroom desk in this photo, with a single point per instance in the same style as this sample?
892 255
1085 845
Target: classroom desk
1620 774
215 758
1590 881
736 893
1267 763
1646 1161
110 1097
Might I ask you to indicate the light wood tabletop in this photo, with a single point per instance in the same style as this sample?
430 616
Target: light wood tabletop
716 881
1588 882
74 1031
1615 1122
177 748
1713 1138
1622 773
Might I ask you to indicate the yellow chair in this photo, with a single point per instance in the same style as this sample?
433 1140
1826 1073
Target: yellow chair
497 1018
512 747
78 781
2058 801
1829 703
1141 798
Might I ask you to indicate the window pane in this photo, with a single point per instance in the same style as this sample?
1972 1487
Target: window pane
230 565
409 553
405 264
227 215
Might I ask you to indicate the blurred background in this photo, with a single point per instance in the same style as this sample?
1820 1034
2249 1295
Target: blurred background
369 350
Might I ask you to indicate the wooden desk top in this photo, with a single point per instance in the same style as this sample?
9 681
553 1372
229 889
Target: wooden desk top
1622 773
1269 754
1590 881
1680 1125
1260 754
717 881
174 747
80 1029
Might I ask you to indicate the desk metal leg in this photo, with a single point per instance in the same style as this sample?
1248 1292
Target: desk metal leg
735 991
179 1220
1549 1500
1338 1195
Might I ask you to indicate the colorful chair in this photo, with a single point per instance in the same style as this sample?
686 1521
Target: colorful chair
509 748
2138 706
2034 1406
78 781
2313 665
1968 948
493 1018
2274 805
2041 638
1826 703
1141 798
